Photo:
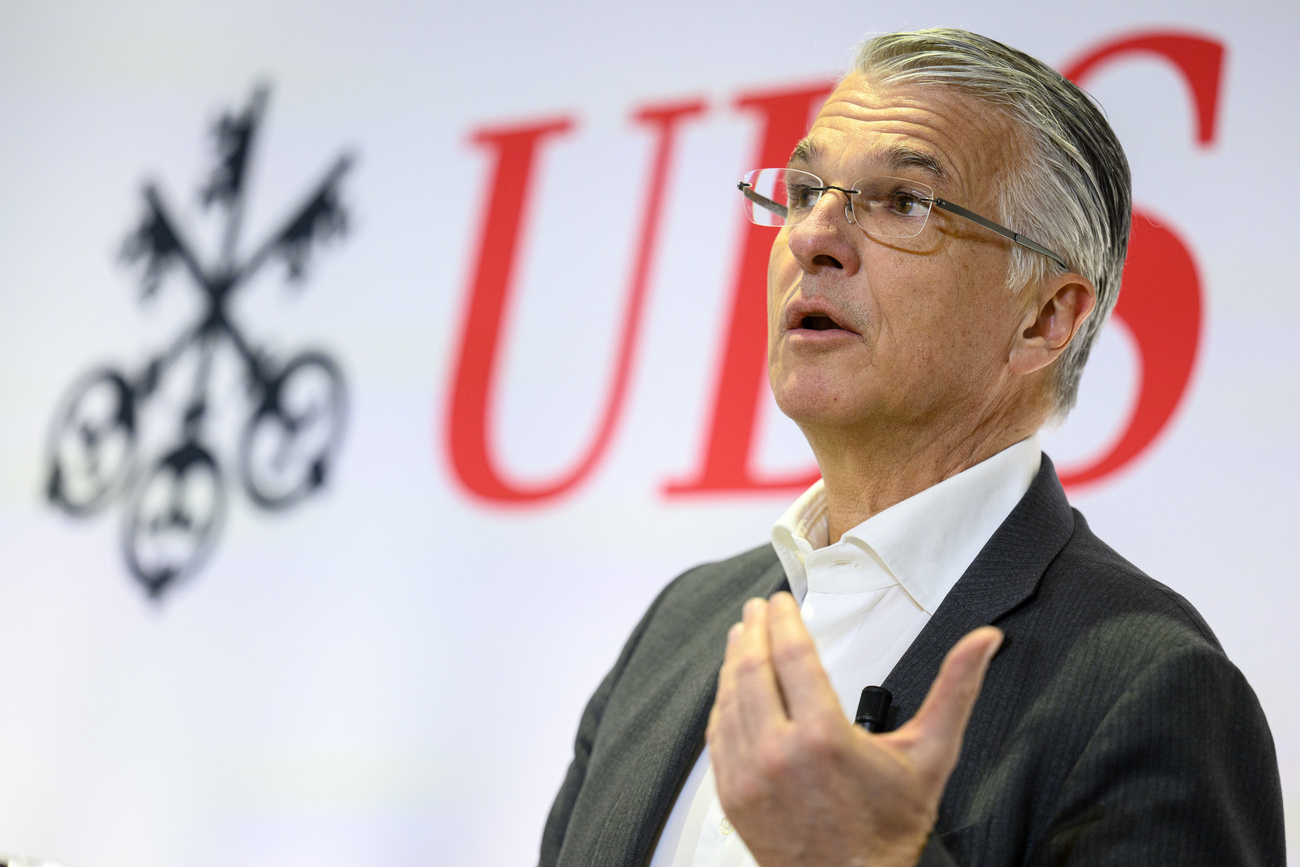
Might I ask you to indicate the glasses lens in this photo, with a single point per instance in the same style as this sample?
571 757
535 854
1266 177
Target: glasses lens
779 197
891 207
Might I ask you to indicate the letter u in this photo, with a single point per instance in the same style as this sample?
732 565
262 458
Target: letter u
491 287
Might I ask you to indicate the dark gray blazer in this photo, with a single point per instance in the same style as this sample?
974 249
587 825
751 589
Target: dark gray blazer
1111 728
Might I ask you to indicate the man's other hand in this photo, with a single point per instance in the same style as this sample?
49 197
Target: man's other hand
802 784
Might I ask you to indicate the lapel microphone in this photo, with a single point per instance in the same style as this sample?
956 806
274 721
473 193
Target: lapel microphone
873 709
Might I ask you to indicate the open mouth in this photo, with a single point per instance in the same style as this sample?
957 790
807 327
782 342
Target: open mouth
808 315
818 322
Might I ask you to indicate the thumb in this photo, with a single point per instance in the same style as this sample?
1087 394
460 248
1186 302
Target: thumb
940 723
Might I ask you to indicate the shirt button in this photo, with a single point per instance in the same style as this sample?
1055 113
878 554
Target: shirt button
725 826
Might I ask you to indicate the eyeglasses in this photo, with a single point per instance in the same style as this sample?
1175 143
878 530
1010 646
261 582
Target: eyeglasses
881 207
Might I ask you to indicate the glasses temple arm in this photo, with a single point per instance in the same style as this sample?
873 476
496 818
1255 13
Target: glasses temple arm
762 201
1001 230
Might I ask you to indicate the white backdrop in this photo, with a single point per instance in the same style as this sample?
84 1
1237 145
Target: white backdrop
391 671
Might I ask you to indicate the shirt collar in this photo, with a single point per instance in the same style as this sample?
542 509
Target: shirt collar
926 541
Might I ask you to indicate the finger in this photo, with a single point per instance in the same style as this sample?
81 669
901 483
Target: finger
747 698
940 723
725 732
799 673
758 696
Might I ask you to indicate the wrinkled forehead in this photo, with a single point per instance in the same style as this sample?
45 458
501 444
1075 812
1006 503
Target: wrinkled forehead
950 139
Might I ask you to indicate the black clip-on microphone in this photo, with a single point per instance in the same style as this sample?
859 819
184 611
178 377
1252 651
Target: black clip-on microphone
873 709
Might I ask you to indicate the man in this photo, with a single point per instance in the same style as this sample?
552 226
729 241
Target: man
920 343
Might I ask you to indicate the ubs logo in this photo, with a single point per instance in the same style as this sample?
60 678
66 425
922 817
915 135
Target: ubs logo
290 416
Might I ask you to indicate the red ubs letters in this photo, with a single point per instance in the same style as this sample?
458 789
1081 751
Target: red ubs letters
1160 302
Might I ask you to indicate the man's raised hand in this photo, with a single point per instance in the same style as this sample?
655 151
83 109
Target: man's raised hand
803 785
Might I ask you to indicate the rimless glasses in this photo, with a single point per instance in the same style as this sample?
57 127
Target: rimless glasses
881 207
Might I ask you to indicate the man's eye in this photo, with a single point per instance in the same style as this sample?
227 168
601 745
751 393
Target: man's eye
906 204
802 195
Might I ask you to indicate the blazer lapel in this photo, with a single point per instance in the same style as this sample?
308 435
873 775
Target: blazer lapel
659 741
1002 577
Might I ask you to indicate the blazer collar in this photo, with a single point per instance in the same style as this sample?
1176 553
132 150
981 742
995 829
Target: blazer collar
1003 576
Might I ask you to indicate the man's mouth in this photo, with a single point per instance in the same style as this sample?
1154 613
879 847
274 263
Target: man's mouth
807 315
818 322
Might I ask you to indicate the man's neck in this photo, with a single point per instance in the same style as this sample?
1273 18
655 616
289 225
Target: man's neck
864 475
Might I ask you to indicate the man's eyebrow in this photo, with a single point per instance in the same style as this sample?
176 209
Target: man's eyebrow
804 153
898 158
903 157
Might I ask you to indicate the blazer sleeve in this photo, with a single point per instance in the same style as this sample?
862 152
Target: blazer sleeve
557 823
1181 770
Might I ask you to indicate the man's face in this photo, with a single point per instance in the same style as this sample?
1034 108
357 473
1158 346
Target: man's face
906 336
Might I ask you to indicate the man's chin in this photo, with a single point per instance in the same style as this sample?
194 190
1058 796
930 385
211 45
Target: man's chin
818 402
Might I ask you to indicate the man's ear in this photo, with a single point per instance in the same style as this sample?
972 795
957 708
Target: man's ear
1059 306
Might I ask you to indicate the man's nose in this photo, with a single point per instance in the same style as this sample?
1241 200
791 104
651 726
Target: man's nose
821 239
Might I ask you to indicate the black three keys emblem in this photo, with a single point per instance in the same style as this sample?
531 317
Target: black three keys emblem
294 408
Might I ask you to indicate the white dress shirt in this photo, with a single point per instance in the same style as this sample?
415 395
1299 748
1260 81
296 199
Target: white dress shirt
864 600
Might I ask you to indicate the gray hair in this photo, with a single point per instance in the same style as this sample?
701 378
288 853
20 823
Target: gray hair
1071 192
